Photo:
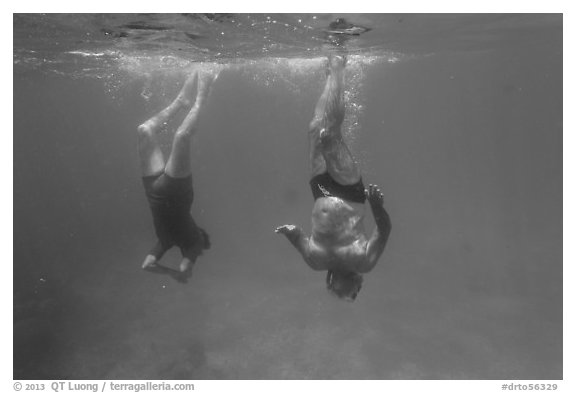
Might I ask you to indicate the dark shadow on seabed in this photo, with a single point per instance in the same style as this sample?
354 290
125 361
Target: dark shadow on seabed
467 148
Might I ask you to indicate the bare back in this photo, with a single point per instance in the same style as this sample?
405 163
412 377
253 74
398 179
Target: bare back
338 238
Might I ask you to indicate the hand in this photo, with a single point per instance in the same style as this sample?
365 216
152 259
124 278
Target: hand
374 196
376 200
286 229
149 262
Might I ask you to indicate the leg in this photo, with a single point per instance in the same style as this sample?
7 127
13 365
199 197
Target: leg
325 130
179 163
151 158
329 112
339 161
317 162
149 151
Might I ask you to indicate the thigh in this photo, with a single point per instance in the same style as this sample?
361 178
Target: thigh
179 164
317 162
150 155
340 162
178 191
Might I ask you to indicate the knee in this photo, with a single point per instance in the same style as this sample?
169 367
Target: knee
321 124
315 125
145 133
330 138
144 129
181 135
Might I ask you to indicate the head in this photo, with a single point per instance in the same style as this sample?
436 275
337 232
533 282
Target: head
344 284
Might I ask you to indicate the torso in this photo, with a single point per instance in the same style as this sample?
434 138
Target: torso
338 239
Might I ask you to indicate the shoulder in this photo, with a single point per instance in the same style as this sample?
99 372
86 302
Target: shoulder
317 256
354 256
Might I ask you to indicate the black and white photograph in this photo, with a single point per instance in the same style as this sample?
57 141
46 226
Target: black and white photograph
288 196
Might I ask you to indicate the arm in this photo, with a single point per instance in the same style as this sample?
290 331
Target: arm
151 264
300 241
377 243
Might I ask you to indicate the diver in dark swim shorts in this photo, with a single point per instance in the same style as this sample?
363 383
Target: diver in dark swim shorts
338 242
168 185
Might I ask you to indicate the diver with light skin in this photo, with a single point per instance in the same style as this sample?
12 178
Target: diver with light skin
168 185
338 242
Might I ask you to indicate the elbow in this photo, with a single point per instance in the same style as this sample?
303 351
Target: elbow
385 229
384 224
388 223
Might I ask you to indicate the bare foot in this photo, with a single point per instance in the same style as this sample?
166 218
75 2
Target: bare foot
185 265
336 61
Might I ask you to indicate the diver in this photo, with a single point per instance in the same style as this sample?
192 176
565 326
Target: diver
338 242
168 185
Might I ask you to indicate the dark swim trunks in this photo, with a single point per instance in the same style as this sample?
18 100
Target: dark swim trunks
324 186
170 200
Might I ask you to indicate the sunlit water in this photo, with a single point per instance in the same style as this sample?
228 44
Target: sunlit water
457 117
